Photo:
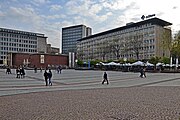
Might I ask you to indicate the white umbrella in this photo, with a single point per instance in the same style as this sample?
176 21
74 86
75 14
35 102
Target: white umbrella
97 63
112 63
127 64
103 63
149 64
158 64
138 63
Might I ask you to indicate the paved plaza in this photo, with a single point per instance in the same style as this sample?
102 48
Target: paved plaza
79 95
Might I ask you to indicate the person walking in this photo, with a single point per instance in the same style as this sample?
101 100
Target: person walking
22 72
46 77
141 73
49 77
17 72
144 72
60 69
35 69
41 69
105 79
8 70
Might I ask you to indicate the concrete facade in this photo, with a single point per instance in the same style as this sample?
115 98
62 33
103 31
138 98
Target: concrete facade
144 38
20 42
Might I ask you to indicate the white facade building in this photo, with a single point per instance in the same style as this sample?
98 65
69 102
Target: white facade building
20 41
141 40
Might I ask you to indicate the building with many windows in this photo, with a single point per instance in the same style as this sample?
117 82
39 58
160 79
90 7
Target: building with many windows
71 34
141 40
15 41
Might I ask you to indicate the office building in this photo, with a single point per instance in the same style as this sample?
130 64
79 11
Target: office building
16 41
71 34
141 40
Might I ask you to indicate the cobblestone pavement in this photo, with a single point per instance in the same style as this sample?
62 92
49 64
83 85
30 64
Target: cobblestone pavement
135 103
79 95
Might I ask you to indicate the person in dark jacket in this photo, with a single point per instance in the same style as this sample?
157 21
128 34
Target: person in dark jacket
141 73
49 77
22 72
8 70
105 78
144 72
46 77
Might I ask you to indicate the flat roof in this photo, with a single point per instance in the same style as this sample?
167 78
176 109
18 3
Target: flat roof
37 53
21 32
73 26
154 21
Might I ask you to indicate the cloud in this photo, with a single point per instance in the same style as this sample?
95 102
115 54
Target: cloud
39 2
77 7
118 4
1 14
53 17
55 7
95 9
48 16
102 18
88 10
175 7
25 15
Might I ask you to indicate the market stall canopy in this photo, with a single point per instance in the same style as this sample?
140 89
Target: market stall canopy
127 64
158 64
103 63
138 63
112 63
149 64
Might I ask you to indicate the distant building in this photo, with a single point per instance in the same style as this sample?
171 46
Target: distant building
17 41
71 34
141 40
37 60
52 50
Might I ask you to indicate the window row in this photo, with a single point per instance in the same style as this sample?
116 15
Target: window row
17 45
17 40
17 36
18 49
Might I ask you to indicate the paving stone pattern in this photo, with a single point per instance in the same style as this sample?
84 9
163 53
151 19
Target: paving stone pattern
79 95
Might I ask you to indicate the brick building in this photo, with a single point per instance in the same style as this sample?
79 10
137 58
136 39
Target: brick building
37 60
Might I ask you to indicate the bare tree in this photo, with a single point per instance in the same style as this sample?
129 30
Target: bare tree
116 46
102 50
175 51
135 44
166 41
80 54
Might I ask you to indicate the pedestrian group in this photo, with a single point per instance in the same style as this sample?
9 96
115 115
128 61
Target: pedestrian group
20 72
47 77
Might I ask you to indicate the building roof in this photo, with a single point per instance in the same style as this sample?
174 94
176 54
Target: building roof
22 32
72 26
154 21
22 53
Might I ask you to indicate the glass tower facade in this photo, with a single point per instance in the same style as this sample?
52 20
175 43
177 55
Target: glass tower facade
71 34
